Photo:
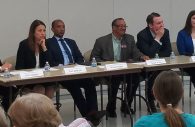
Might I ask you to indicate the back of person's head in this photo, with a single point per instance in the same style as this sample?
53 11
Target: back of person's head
168 91
188 25
4 119
150 17
34 110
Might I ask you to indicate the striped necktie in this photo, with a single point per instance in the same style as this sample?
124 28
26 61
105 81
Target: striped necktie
66 50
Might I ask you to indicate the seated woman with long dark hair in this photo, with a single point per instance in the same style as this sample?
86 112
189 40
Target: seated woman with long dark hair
33 53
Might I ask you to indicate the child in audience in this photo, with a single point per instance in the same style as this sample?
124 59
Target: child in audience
168 91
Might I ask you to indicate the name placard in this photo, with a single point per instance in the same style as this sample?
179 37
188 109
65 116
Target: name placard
75 70
193 58
31 74
116 66
155 61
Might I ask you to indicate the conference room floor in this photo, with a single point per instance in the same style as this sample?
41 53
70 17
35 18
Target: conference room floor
67 111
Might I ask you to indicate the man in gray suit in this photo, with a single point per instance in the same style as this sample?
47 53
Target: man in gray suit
118 46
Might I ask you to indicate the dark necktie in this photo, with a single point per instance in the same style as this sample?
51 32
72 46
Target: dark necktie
66 50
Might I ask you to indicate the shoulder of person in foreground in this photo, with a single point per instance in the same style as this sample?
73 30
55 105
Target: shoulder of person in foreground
80 122
154 120
189 119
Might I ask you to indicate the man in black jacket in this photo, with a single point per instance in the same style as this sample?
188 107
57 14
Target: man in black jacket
64 51
154 39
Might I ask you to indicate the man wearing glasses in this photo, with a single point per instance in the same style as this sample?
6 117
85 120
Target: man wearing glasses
118 46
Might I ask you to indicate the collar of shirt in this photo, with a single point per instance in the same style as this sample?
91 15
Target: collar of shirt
153 34
116 47
58 38
115 38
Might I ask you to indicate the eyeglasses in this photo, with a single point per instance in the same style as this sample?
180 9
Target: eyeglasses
121 26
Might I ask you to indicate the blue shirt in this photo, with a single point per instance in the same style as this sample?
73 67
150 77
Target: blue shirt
157 120
65 56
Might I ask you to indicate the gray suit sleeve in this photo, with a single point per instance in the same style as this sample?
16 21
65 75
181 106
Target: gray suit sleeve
135 53
96 51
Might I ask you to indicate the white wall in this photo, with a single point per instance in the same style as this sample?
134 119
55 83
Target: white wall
85 20
15 20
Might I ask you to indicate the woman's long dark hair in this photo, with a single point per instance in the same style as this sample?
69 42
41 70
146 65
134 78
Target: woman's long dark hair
31 38
188 25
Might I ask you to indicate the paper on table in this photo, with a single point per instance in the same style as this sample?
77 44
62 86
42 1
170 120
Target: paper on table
53 69
193 58
16 72
116 66
31 74
155 61
75 70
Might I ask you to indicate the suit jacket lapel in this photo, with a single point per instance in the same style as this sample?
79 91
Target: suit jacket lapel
149 33
109 46
69 45
123 49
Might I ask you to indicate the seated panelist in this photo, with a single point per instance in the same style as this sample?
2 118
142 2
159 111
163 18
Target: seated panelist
64 51
186 42
118 46
33 53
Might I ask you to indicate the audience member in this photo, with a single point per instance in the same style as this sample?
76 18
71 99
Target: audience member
65 51
168 91
186 42
37 110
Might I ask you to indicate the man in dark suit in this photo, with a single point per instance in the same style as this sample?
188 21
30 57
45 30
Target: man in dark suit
118 46
65 51
154 39
4 91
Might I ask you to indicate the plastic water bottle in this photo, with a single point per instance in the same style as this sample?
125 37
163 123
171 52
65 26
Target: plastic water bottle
6 73
156 56
94 62
47 66
172 56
